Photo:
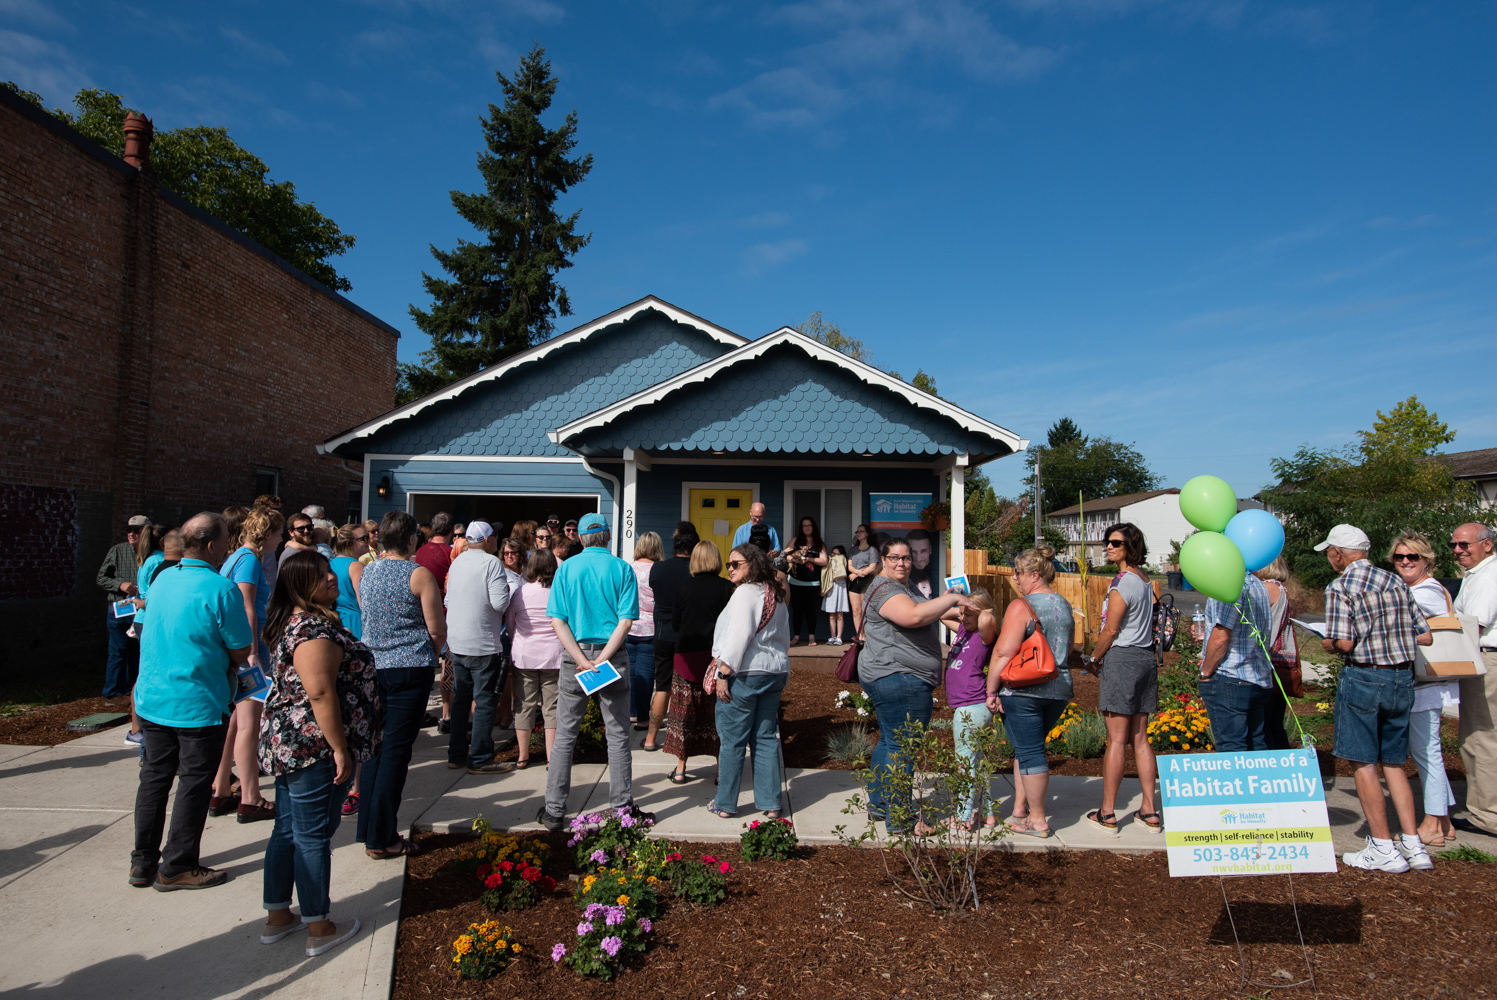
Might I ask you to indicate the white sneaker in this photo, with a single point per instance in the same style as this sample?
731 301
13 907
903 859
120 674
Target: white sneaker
1417 857
1374 860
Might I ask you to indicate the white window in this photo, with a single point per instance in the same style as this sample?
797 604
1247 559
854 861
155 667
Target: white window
834 505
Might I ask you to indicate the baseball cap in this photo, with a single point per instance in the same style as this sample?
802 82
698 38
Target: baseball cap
591 523
1346 536
139 521
478 531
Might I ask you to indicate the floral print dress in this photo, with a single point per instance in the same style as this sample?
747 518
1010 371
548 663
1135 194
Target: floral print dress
290 738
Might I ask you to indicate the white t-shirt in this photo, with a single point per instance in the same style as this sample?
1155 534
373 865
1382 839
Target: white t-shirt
1434 695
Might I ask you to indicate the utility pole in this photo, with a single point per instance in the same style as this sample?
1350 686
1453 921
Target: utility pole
1038 494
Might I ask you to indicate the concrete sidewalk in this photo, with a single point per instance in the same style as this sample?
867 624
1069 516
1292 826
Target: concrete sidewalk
78 929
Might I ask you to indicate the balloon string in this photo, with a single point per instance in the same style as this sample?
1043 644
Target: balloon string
1306 741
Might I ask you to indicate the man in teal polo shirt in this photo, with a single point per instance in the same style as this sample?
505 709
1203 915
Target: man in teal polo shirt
191 646
594 599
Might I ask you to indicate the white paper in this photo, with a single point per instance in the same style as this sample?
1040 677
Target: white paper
1317 627
720 528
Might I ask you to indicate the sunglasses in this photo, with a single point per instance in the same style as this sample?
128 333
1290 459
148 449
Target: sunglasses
299 528
361 538
1114 543
736 563
1406 557
1461 545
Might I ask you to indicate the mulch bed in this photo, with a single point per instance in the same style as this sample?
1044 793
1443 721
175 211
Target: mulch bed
1056 924
48 725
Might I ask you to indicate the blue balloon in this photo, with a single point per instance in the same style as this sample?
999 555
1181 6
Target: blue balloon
1259 535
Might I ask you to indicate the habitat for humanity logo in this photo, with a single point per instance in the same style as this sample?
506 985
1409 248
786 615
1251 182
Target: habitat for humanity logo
883 507
1232 817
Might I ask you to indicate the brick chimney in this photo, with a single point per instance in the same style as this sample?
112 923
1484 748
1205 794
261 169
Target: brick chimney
138 132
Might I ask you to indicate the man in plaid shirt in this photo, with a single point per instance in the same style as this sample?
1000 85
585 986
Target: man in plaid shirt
1372 621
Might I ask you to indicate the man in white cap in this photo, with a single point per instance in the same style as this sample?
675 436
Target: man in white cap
1472 546
594 599
477 595
1371 620
117 578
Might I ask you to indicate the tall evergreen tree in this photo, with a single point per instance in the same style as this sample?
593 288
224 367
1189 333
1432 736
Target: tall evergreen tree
503 295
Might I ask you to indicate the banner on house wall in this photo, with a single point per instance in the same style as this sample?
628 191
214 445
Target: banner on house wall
1253 813
897 515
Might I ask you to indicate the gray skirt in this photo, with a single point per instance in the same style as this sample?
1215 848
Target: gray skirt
1129 681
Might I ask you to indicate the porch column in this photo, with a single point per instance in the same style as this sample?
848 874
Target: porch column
634 462
958 517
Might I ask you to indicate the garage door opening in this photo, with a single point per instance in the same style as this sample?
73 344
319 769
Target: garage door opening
501 509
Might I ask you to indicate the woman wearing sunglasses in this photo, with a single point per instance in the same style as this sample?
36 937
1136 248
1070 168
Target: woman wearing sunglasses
1124 661
1413 557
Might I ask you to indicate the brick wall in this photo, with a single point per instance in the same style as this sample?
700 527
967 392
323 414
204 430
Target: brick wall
155 359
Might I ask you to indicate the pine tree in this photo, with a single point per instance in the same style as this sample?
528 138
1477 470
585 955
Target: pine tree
503 296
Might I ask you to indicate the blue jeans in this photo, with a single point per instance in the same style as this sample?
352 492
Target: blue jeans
123 664
753 714
403 691
1372 715
1028 721
898 699
474 679
1238 711
641 675
964 725
300 851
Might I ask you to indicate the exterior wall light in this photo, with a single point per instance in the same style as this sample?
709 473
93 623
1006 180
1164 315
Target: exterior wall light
384 487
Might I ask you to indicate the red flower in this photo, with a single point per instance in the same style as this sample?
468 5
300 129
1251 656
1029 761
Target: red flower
754 825
507 865
494 881
483 871
708 859
725 868
530 874
548 883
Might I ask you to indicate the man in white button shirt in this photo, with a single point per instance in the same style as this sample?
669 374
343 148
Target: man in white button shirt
1472 545
477 594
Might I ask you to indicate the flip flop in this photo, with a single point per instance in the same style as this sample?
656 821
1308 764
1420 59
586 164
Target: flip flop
521 765
679 778
406 849
1025 828
648 749
719 813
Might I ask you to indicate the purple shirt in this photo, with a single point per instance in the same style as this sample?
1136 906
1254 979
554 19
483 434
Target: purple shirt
965 682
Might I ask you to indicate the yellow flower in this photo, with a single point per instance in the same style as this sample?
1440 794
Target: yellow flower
1174 739
623 881
623 900
515 948
463 945
1185 746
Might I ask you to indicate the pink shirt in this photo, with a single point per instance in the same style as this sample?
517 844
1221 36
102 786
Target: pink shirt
535 645
644 625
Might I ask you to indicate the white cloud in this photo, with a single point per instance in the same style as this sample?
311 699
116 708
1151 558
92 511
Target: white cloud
254 48
762 256
34 13
42 66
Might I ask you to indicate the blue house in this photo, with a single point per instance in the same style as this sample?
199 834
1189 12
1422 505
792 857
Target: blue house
651 415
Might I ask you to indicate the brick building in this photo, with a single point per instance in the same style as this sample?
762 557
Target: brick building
156 362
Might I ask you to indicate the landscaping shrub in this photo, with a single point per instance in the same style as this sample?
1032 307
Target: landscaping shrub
494 848
511 886
604 839
857 701
941 725
607 938
769 839
1181 727
847 744
1467 853
485 950
700 883
1055 739
1085 735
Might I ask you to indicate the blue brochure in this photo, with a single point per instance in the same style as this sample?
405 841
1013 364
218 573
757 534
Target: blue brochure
593 681
252 683
124 609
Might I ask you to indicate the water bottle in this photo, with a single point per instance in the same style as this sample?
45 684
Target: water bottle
1198 625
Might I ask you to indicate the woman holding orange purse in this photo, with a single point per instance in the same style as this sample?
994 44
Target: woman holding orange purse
1031 710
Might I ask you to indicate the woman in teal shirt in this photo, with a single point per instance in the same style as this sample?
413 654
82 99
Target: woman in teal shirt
351 542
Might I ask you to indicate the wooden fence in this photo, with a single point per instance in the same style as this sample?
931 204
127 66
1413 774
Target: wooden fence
1086 601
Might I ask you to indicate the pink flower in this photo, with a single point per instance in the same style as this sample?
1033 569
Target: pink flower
754 825
612 945
725 868
557 951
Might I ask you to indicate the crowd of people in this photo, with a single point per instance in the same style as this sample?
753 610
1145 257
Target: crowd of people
252 644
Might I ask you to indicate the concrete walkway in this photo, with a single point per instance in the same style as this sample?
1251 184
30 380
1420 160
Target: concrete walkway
77 928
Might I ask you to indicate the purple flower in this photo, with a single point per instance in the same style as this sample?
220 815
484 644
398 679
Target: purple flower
593 909
612 945
644 925
585 928
626 820
557 951
598 856
615 916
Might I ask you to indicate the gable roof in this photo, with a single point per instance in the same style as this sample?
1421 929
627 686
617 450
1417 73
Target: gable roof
1113 503
536 353
756 349
1477 464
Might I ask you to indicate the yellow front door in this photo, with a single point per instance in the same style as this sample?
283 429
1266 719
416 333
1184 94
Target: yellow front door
719 513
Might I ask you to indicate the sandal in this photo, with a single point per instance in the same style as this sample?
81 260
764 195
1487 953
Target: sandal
1156 825
679 778
648 749
1107 823
771 814
521 765
406 849
1024 827
712 808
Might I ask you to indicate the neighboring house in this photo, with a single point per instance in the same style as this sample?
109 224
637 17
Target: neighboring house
1156 512
651 415
157 363
1479 468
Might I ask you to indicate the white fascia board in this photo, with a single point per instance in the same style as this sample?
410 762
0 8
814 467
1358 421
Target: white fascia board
757 348
536 353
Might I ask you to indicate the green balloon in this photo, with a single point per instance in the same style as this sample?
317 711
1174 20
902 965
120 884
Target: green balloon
1213 565
1208 503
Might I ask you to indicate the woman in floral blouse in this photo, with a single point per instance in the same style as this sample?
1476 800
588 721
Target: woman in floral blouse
322 717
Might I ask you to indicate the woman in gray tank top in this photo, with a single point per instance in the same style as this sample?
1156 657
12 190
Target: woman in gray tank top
1124 660
404 627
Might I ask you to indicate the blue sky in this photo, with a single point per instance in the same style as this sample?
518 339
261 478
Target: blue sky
1215 228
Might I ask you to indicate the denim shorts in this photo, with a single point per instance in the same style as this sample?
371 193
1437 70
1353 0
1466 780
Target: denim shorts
1028 721
1372 715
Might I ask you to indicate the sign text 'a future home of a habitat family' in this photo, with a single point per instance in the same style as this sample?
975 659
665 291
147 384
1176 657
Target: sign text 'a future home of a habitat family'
1256 813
